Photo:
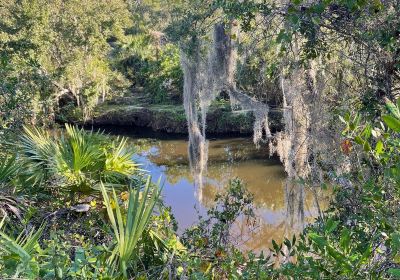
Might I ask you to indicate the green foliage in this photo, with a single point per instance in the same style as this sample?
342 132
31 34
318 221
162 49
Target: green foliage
212 252
15 90
18 253
38 150
127 232
55 49
358 237
78 158
8 169
350 38
52 49
87 261
153 67
62 255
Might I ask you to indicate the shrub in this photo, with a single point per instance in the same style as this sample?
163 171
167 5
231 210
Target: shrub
78 159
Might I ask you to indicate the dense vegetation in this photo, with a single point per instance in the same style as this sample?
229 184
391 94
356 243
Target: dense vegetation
74 204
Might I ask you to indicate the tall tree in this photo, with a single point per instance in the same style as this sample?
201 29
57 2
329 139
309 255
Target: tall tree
65 48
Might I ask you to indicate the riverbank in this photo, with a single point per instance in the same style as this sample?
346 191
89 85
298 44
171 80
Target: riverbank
171 118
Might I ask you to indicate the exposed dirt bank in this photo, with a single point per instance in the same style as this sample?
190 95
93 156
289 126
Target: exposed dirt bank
172 119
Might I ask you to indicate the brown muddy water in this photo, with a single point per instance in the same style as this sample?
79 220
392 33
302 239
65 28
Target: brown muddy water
282 207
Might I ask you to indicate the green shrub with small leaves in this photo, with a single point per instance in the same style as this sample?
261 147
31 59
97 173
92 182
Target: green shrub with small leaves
359 236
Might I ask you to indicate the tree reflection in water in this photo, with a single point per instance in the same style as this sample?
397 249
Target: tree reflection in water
283 207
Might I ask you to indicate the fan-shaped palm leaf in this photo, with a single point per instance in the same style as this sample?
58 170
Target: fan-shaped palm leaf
8 169
39 152
84 150
80 158
10 205
119 161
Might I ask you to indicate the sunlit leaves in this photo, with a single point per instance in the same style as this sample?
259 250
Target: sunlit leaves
21 251
331 225
392 122
379 147
129 229
80 158
55 47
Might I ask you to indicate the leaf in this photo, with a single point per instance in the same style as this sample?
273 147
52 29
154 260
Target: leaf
2 222
395 272
287 243
316 20
22 246
92 260
366 133
392 108
319 240
59 272
79 259
15 211
8 168
339 257
294 19
79 255
345 239
379 148
331 225
276 246
282 37
395 242
342 120
392 122
347 117
128 230
367 146
367 253
358 140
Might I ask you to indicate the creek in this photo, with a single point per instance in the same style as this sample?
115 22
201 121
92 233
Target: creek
282 207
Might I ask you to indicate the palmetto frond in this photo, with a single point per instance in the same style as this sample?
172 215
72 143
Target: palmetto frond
8 169
38 146
129 230
22 246
10 205
119 161
38 151
21 250
80 158
81 150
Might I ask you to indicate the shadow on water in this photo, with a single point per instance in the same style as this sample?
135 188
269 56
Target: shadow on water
283 207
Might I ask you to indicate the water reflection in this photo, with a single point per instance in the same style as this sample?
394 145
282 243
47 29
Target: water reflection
283 207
